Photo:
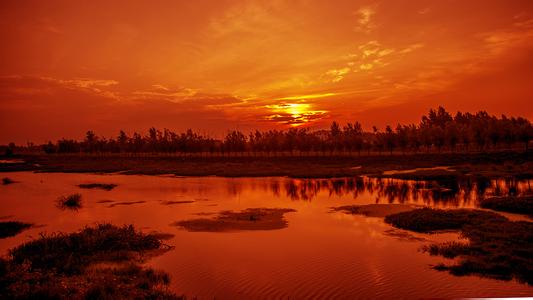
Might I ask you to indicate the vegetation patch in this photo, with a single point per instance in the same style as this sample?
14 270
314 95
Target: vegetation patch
72 202
7 180
374 210
495 247
248 219
102 186
512 204
100 262
12 228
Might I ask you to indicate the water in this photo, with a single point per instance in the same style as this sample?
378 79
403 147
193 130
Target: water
319 255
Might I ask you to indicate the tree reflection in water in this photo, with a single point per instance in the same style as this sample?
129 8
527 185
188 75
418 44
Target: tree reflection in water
457 193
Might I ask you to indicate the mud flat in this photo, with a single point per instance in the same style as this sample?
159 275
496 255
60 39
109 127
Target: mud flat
248 219
374 210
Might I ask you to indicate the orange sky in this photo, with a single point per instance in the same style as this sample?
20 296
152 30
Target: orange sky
70 66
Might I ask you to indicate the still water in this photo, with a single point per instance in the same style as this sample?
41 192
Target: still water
319 255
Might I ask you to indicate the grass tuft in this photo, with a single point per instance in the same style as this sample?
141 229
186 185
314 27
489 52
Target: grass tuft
72 202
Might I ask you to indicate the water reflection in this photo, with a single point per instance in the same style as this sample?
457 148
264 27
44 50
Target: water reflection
462 193
319 254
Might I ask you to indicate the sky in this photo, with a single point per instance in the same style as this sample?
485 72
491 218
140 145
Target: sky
71 66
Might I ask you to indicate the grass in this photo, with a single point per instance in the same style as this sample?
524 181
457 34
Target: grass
7 180
71 253
77 266
103 186
72 202
495 248
12 228
512 204
248 219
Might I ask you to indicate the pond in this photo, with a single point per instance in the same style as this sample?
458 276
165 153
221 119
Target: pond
319 254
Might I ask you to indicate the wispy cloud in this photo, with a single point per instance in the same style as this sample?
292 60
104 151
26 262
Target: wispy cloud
365 22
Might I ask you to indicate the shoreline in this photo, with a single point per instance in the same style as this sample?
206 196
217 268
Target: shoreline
423 166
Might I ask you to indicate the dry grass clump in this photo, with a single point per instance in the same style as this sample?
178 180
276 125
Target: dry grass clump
72 202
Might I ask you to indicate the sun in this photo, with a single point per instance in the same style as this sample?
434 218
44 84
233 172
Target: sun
294 114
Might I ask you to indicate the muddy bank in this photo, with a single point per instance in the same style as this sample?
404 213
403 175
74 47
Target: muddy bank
248 219
102 186
374 210
512 204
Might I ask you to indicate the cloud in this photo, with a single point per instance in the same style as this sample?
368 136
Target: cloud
337 75
365 17
411 48
294 114
43 108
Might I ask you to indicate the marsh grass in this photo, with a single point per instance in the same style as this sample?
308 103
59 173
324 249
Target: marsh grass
512 204
7 180
72 202
495 247
71 253
98 262
102 186
12 228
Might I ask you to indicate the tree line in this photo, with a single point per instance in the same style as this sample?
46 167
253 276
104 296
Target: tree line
437 131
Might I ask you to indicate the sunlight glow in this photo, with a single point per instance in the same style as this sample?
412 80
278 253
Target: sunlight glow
311 96
294 114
